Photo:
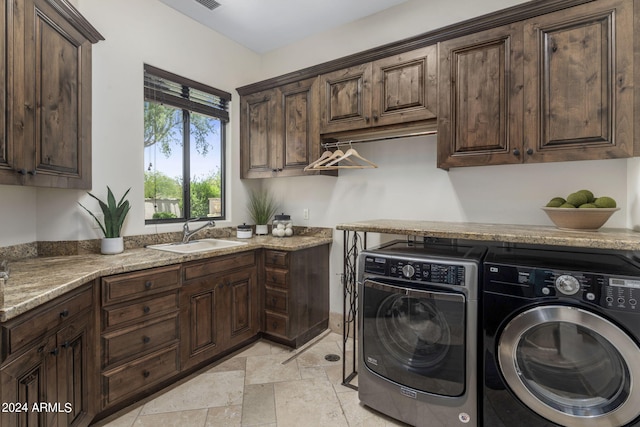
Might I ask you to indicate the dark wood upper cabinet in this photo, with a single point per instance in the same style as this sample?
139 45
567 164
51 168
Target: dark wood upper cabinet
480 110
579 83
394 90
46 95
279 130
556 87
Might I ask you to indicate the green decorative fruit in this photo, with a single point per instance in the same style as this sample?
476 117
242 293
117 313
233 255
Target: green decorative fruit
605 202
589 194
556 202
587 206
567 205
577 198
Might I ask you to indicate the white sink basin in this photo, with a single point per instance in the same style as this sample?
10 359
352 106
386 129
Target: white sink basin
195 246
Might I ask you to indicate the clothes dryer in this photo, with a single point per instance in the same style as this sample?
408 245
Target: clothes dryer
561 338
418 326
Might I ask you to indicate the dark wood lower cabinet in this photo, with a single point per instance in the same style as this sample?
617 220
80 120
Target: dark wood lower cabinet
219 309
107 344
296 292
51 381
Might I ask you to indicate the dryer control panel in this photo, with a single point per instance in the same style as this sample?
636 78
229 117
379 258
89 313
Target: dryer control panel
607 291
416 270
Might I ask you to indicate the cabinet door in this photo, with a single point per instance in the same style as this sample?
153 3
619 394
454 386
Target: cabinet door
345 99
54 100
200 337
300 142
480 98
7 166
76 372
579 90
239 315
27 381
405 87
260 128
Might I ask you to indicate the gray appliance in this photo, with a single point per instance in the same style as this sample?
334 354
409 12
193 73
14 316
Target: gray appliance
561 334
418 326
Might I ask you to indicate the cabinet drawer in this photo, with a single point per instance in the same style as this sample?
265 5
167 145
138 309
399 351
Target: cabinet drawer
129 342
276 277
277 258
37 323
137 376
276 300
211 266
276 324
139 310
140 283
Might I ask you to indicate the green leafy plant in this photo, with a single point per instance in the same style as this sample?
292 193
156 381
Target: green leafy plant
262 206
114 214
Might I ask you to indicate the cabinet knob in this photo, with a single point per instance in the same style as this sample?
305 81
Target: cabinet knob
146 309
274 325
529 151
55 351
148 284
32 172
21 171
66 344
64 313
375 117
146 339
274 300
516 152
146 373
366 119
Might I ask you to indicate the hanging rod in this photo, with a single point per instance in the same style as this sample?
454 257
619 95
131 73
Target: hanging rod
336 144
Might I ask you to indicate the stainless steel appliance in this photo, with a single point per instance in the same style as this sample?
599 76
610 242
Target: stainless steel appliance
561 334
418 326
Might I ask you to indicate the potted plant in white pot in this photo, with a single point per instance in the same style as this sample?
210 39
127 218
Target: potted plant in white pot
262 206
114 215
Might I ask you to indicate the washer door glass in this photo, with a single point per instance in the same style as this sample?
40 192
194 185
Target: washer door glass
571 366
415 338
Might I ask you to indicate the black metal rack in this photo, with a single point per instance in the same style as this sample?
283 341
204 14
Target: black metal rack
353 244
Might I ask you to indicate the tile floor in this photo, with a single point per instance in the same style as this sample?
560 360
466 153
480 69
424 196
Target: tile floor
264 384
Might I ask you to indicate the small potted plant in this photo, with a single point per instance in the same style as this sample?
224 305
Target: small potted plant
114 215
262 207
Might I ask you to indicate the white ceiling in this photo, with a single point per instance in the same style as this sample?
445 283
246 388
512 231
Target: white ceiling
264 25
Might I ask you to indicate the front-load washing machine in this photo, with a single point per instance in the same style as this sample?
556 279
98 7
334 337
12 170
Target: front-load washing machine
418 326
561 338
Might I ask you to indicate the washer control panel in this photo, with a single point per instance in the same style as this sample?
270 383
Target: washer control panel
611 292
417 270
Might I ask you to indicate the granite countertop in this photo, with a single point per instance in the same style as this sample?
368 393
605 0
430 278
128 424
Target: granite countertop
34 281
616 239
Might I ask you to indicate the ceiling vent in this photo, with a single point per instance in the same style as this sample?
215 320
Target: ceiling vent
209 4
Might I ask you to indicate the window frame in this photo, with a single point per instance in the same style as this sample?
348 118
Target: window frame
177 95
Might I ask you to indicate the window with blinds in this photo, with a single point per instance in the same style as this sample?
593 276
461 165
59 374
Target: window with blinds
184 140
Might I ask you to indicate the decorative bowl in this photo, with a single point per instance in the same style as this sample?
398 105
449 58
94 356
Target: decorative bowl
579 219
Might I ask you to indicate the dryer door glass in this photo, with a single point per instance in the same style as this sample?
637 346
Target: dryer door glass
415 337
569 364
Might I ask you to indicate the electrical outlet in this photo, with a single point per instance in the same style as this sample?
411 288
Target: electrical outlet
305 213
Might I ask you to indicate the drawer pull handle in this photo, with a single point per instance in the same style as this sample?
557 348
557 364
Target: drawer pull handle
274 300
148 285
275 325
146 339
64 313
146 373
146 309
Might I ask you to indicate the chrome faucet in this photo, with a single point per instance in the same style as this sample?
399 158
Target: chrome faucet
186 233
